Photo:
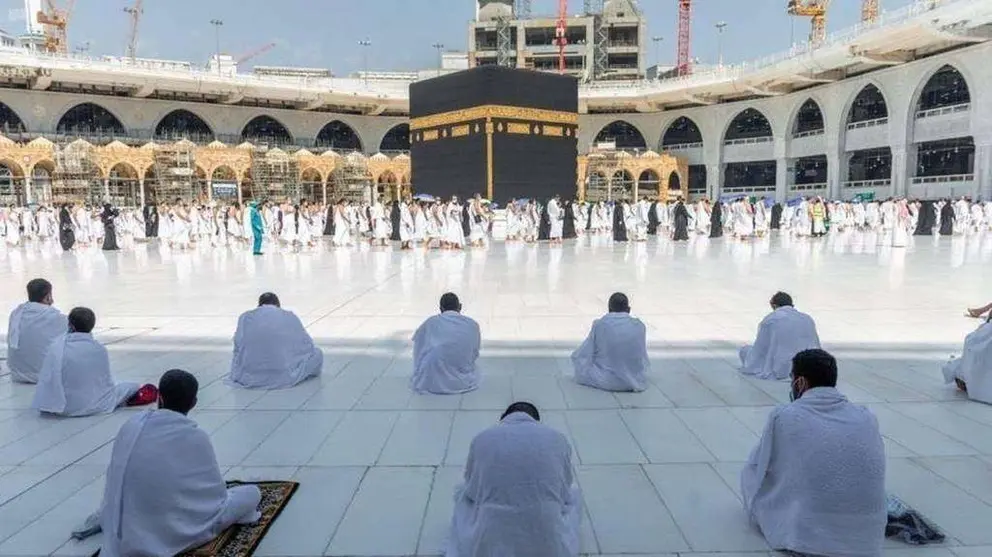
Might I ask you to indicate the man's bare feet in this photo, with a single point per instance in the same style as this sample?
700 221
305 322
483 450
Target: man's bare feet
961 385
976 313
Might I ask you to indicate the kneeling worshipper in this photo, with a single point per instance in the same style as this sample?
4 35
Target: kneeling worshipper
614 357
272 349
32 327
815 484
445 348
165 493
972 372
75 377
782 334
518 497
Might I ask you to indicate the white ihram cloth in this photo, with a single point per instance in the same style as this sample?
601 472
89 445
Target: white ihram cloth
974 367
518 497
782 334
164 491
614 357
30 331
445 348
272 350
555 217
75 379
815 484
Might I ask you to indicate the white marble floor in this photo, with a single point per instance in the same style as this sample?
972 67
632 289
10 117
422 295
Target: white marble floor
377 464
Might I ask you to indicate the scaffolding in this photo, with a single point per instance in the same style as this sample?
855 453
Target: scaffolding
174 166
600 57
604 162
350 180
77 176
505 53
275 176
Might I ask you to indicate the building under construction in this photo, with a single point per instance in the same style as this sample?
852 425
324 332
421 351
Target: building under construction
608 41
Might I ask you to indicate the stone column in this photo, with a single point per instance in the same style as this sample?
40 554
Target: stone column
141 192
27 190
835 174
237 184
637 186
781 178
106 190
210 189
983 168
714 180
900 172
323 189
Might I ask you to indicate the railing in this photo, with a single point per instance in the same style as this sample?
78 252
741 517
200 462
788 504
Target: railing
749 141
953 109
868 183
748 189
808 187
943 179
868 123
682 146
810 133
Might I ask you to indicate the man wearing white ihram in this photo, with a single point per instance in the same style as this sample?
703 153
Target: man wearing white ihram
445 349
75 377
32 327
272 349
614 357
165 492
782 334
815 484
973 370
518 497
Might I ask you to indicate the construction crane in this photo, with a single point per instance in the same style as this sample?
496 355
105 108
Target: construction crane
134 12
56 21
683 63
254 53
869 11
816 10
560 39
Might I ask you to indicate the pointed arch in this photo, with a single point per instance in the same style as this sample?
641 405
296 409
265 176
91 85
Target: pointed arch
808 120
224 174
625 134
339 136
10 121
183 124
750 123
266 129
90 118
946 87
869 104
674 182
396 139
682 131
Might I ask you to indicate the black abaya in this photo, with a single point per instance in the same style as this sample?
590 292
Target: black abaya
394 218
151 221
776 216
716 221
589 209
329 222
619 224
67 237
927 219
544 228
681 223
466 225
568 226
653 219
108 216
947 219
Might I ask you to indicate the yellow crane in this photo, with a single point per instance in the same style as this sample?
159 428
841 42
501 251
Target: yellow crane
869 11
56 21
816 10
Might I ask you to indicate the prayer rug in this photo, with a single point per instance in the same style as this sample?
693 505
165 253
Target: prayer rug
241 540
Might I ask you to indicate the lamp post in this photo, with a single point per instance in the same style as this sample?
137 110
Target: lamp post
720 26
365 44
657 55
217 25
440 61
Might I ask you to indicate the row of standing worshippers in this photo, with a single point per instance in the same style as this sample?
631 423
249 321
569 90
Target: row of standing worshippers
66 225
815 455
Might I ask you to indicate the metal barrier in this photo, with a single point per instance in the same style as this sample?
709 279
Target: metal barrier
868 183
943 179
809 133
868 123
749 141
963 107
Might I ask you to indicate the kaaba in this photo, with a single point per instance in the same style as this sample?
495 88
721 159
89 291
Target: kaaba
500 132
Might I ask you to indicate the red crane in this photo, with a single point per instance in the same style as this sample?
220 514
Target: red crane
560 38
684 64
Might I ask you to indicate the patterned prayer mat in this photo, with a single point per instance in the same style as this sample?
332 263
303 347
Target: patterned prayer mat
242 540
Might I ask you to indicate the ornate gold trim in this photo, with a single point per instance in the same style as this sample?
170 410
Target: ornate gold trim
518 128
554 131
494 111
460 131
490 179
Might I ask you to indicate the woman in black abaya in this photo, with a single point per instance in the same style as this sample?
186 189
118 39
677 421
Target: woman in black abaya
67 236
776 223
329 221
681 222
716 220
568 225
947 218
394 220
927 220
619 224
108 217
653 219
544 228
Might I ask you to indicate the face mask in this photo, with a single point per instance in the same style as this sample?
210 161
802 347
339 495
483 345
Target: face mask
794 394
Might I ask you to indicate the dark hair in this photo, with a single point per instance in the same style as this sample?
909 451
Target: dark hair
817 366
82 320
619 303
38 290
525 407
450 302
781 299
177 390
269 299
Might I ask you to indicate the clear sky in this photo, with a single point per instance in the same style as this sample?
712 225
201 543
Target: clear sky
325 33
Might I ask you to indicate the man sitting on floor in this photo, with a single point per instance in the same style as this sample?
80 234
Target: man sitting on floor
518 497
782 334
973 370
32 328
75 377
272 349
614 357
445 348
815 484
165 492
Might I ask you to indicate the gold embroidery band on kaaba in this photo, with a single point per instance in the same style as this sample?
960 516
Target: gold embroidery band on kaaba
535 115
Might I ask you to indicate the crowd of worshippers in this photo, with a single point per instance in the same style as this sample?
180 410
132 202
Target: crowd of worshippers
519 496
